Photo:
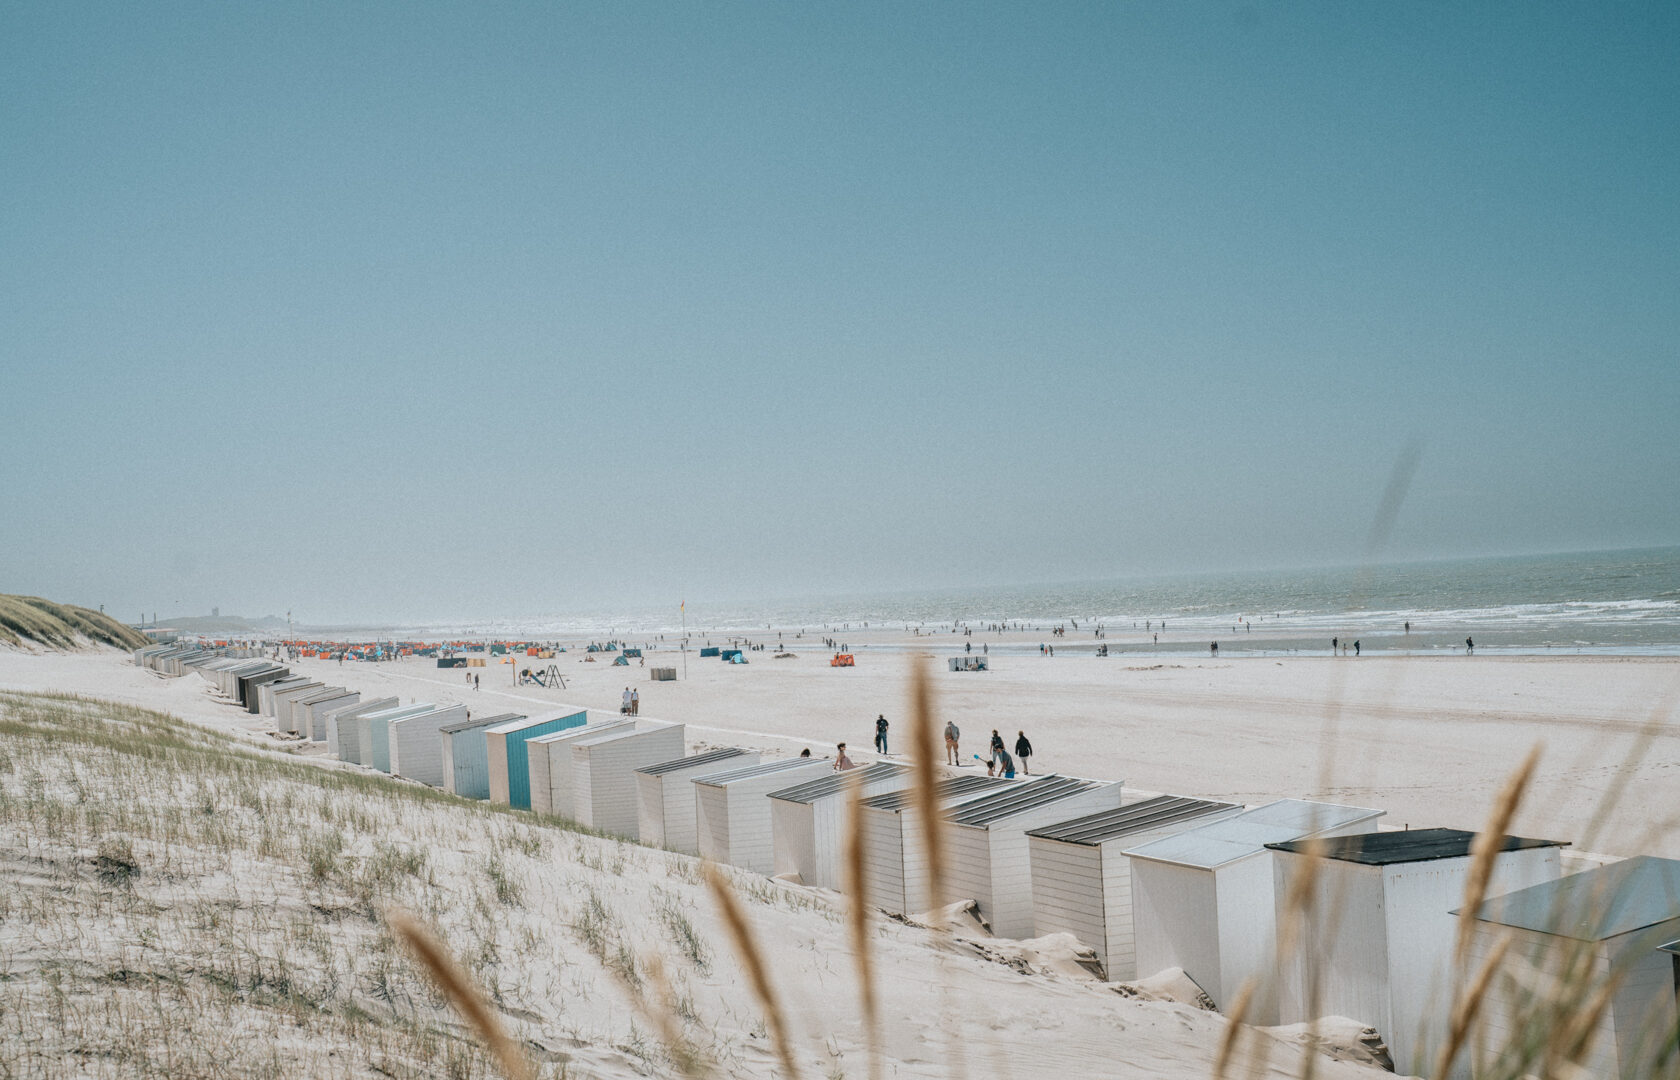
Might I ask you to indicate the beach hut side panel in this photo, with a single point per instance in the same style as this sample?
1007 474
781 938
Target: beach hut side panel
883 849
1068 892
1176 920
793 837
605 791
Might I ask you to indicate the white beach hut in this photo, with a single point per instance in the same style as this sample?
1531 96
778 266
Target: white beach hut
548 757
283 704
417 748
341 733
1203 900
314 710
987 844
665 795
1600 931
373 733
505 750
807 821
1082 880
604 794
298 717
466 761
892 841
732 814
1378 933
250 685
266 691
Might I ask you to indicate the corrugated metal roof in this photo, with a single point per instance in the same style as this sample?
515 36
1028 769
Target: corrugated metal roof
1222 842
981 813
325 695
1596 904
825 786
1671 947
951 787
1406 846
518 725
587 731
468 725
689 762
1105 825
748 772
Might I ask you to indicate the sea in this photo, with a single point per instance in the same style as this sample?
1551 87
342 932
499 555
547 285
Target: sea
1603 602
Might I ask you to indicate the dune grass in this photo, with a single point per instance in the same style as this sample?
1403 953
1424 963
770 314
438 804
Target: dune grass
30 620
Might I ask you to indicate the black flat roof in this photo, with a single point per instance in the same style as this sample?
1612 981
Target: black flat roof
1405 846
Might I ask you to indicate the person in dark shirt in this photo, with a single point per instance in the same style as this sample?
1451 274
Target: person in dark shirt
881 734
1023 750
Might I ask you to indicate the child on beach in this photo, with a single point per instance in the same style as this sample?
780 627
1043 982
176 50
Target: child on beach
841 761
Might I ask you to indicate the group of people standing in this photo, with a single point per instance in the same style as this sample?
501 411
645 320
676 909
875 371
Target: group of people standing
998 761
632 702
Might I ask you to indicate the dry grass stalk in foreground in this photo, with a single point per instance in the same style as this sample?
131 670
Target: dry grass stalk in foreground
1469 1006
924 760
746 946
1487 845
857 884
462 994
1233 1030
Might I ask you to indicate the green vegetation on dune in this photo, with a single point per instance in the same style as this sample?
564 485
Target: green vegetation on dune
32 620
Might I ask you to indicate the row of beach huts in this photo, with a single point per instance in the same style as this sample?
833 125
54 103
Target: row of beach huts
1147 882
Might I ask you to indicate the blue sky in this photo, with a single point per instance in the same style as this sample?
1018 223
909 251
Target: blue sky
419 310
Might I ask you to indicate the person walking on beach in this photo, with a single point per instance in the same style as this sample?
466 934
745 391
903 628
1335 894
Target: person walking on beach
997 744
841 761
1335 643
475 682
624 705
635 703
1023 750
881 734
1213 648
951 734
1356 647
1469 647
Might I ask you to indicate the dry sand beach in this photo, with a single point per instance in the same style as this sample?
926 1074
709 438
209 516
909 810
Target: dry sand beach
1429 740
169 888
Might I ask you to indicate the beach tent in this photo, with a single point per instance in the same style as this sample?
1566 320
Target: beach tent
604 794
417 747
892 841
986 844
548 759
1082 880
1378 933
1203 900
730 656
665 795
373 733
341 733
504 744
708 652
1600 931
313 711
732 815
466 762
807 821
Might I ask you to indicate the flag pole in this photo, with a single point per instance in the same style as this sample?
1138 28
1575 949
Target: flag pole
684 606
